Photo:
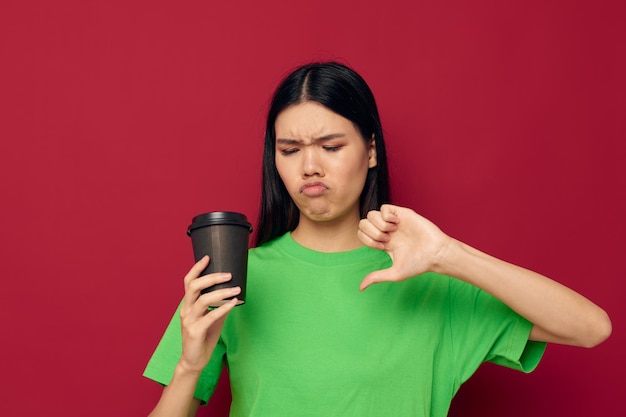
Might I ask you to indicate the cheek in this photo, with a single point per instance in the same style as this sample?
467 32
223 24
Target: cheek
352 175
357 166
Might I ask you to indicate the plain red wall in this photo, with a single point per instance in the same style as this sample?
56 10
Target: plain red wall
120 120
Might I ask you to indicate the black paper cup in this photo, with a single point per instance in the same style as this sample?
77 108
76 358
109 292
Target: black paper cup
224 236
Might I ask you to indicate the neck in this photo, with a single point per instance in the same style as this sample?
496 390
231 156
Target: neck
330 236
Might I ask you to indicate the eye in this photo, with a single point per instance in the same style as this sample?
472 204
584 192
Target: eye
332 148
289 151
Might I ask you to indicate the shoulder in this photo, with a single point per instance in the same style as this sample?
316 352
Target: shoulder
266 247
269 251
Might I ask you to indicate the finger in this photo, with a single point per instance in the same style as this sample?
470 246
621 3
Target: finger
206 281
374 232
195 284
193 273
194 290
199 333
198 328
383 220
217 314
368 241
195 287
383 275
196 269
389 213
211 299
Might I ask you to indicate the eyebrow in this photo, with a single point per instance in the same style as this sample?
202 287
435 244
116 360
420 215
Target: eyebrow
287 141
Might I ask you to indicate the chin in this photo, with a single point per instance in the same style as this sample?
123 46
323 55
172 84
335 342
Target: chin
318 215
324 213
324 216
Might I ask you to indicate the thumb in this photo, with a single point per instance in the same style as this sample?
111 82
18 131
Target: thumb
383 275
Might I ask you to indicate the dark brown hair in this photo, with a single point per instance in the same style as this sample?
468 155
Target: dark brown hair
342 90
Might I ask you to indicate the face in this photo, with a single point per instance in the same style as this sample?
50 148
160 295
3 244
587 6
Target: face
323 161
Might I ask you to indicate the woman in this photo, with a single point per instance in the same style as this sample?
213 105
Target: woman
307 342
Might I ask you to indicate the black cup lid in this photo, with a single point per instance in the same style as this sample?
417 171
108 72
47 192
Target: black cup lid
219 217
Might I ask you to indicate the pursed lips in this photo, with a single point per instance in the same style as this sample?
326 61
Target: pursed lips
313 188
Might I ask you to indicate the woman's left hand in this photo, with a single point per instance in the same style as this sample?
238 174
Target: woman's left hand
414 244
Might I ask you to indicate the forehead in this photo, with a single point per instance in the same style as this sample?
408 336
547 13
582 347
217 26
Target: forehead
310 119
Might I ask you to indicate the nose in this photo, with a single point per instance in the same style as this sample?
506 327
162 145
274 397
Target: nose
311 163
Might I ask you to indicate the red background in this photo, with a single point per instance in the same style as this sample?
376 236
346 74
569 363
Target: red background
120 120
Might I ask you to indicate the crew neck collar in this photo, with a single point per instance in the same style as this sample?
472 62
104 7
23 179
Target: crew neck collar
355 256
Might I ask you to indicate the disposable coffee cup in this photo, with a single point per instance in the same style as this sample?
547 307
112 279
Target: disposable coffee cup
224 236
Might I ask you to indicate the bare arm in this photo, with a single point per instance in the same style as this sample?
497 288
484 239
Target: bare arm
177 398
558 314
201 328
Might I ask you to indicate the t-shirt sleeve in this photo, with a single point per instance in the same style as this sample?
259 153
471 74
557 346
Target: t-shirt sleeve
160 367
484 329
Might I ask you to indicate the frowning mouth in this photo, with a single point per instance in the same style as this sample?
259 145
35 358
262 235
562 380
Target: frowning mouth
312 189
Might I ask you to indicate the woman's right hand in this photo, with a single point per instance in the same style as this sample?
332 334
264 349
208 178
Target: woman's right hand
201 327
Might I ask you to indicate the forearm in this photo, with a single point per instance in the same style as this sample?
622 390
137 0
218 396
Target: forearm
177 398
559 314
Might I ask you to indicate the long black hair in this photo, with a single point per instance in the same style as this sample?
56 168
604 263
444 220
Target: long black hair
342 90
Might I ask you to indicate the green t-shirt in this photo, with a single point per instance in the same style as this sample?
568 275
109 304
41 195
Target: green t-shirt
307 342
